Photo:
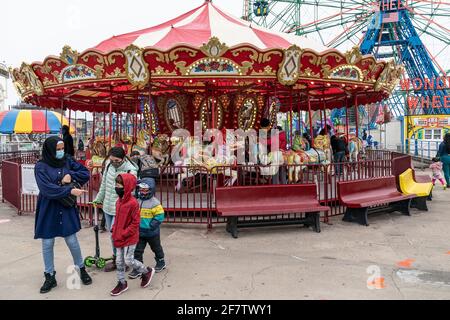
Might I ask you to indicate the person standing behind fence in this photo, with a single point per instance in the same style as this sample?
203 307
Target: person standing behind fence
116 164
68 141
54 174
339 147
444 155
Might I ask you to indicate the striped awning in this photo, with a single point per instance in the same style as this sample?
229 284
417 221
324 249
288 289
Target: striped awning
197 26
31 121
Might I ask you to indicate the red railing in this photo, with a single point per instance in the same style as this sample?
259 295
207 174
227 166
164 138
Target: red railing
187 193
11 183
17 155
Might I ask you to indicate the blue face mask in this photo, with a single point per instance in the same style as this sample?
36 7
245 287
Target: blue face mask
59 154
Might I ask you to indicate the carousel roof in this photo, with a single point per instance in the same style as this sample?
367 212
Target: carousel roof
197 26
202 51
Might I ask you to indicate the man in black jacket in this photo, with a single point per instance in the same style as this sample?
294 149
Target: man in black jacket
68 141
339 147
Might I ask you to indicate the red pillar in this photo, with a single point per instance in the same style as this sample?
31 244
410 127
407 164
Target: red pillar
325 117
291 122
311 130
110 118
356 116
346 118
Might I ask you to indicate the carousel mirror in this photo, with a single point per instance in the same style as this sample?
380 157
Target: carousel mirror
207 114
174 115
247 114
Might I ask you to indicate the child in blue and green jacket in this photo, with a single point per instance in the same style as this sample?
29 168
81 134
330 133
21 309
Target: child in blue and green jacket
152 216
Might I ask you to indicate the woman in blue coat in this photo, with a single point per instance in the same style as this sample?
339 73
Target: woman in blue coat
54 173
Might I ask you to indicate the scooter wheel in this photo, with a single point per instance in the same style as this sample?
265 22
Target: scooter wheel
101 263
89 262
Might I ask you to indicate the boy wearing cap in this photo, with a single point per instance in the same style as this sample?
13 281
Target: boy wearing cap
152 216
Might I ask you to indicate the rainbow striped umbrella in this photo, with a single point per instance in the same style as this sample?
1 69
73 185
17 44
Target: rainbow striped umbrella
31 121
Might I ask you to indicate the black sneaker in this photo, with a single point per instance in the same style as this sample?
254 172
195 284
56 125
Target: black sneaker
160 265
134 274
50 282
119 289
84 276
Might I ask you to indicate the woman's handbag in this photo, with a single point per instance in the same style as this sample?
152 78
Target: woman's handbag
71 200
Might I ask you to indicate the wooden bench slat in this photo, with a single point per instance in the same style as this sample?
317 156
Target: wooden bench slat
263 200
359 195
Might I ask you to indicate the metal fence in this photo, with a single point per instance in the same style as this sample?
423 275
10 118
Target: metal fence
424 149
18 154
188 193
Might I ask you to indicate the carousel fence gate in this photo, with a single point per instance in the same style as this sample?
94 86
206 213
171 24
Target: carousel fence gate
188 193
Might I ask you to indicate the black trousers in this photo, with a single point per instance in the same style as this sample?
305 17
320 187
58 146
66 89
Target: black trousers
155 245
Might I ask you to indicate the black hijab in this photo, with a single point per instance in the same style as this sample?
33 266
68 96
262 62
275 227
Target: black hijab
49 153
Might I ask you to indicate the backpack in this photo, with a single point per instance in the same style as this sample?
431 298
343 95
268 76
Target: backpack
148 167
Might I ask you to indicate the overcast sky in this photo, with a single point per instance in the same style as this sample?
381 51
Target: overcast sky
33 29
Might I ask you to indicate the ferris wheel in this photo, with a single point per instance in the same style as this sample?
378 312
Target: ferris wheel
383 28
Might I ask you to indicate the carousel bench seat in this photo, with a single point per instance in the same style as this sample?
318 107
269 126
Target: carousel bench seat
408 185
265 200
374 195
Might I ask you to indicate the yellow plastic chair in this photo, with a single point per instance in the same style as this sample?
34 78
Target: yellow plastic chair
409 186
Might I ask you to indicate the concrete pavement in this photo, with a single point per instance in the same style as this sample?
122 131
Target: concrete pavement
405 257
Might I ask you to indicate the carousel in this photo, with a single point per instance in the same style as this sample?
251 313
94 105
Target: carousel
210 67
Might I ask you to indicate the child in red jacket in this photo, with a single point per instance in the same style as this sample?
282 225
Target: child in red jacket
125 233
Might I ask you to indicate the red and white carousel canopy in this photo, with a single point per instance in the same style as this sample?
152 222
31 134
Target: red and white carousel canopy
205 50
197 26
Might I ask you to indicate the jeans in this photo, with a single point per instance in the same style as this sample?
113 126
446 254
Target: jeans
109 219
280 176
339 157
446 167
125 256
48 253
155 245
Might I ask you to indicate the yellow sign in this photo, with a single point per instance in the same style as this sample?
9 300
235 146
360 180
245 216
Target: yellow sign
426 127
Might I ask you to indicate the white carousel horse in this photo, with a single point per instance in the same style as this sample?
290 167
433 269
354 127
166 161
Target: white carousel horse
355 147
195 156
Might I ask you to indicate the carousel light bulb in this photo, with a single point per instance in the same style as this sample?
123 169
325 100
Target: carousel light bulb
328 84
343 85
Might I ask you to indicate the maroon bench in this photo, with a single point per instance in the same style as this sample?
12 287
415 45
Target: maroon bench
361 195
264 200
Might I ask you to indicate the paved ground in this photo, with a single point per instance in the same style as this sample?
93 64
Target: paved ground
409 258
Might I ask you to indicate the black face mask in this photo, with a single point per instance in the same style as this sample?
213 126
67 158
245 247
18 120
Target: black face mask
120 192
117 165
